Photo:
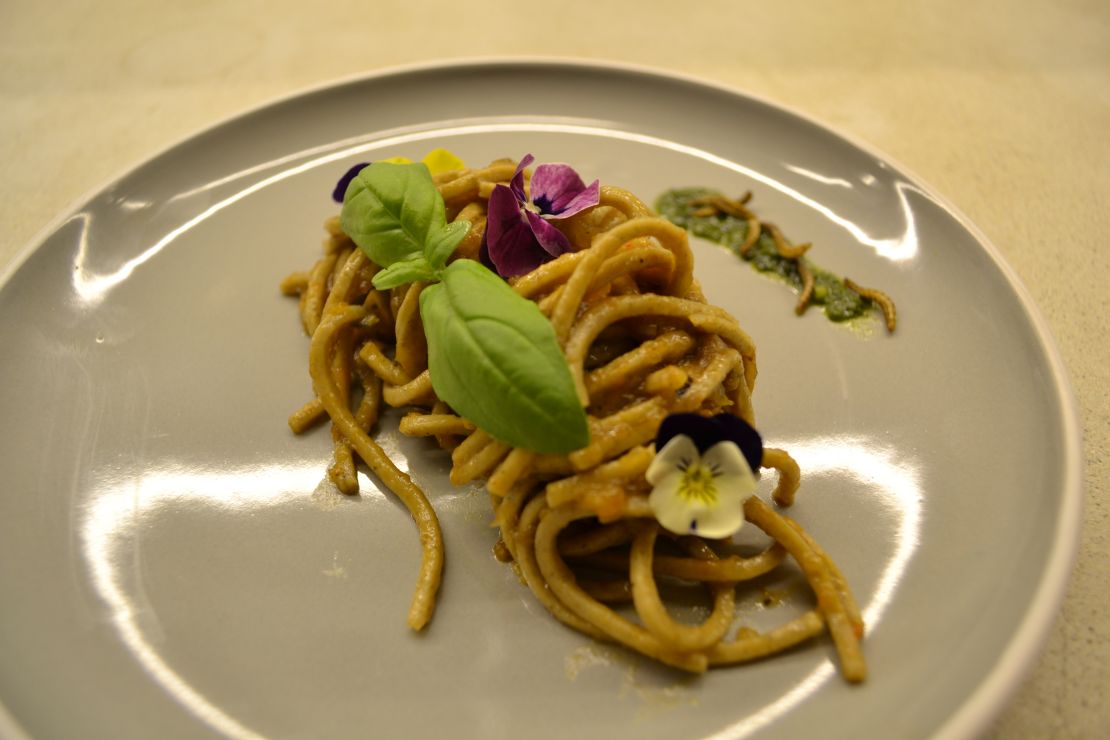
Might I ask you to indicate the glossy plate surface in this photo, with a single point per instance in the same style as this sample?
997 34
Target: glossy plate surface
168 562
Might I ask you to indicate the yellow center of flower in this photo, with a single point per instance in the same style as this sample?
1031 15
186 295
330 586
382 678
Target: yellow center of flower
697 484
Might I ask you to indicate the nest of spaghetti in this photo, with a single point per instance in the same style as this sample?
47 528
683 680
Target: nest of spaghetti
641 343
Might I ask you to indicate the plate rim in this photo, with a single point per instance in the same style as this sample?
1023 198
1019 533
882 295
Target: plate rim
1022 652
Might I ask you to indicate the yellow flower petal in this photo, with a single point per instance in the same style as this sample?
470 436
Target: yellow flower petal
440 160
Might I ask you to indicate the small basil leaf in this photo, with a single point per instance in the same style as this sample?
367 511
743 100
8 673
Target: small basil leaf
390 210
494 359
442 243
413 269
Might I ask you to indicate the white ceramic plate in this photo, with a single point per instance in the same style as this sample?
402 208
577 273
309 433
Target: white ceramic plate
166 569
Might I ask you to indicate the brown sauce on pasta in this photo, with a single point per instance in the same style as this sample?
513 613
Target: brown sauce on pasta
641 343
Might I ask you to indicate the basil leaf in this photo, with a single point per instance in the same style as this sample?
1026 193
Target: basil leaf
442 244
390 210
410 270
494 359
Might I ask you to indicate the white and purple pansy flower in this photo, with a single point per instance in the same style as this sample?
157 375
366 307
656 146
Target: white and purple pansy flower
704 469
520 235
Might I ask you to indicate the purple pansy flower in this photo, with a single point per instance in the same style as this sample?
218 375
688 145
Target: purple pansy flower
519 234
341 187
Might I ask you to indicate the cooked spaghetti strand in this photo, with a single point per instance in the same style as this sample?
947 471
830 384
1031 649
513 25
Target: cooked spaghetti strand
431 564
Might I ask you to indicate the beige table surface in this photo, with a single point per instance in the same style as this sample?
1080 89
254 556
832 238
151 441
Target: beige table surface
1002 107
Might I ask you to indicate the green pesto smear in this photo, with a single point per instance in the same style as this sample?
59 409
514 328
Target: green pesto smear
840 302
